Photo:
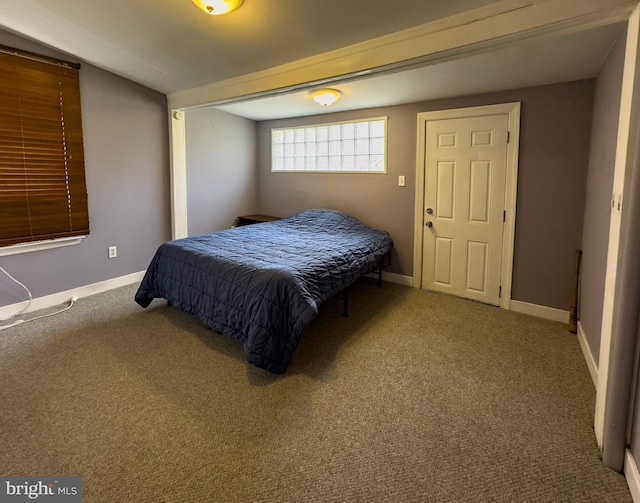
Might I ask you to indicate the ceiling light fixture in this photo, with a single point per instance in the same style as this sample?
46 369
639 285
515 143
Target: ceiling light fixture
325 97
218 7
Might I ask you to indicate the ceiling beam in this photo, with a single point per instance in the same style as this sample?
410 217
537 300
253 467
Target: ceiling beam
478 30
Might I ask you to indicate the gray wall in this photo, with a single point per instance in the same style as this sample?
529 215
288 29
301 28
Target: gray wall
221 173
126 152
554 149
595 235
127 168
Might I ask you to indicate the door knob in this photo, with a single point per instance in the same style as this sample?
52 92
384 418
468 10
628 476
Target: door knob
428 223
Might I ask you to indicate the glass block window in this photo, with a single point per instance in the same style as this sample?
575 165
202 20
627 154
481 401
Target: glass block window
344 147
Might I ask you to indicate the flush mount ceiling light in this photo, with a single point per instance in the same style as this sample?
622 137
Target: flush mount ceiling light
325 97
218 7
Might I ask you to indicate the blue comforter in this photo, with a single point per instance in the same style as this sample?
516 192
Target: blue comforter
263 283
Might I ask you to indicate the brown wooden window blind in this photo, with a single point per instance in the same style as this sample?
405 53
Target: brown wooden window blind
43 191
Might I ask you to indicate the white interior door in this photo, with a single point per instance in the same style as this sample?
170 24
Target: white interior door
464 205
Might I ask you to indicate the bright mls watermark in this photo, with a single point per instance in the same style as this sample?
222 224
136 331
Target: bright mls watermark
47 489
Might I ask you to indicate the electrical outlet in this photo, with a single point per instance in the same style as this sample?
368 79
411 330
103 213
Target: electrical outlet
113 252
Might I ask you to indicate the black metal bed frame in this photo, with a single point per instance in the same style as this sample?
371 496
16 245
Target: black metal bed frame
378 269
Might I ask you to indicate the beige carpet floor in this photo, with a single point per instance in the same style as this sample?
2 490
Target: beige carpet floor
415 397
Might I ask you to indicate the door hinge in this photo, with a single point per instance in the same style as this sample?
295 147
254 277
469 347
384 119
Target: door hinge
499 292
508 136
504 216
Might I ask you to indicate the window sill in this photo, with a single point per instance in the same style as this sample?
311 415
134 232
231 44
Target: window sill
40 245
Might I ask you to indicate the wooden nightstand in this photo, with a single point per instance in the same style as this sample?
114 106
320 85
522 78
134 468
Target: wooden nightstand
255 219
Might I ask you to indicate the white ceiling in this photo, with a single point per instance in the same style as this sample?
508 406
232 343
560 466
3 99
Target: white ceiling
536 62
170 46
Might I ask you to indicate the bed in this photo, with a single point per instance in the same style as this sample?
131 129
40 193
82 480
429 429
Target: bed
263 283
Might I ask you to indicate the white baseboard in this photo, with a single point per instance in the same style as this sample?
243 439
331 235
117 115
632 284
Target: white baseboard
394 278
632 475
588 355
548 313
61 297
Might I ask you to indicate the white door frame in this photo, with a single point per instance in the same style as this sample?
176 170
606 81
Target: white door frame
628 131
513 111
